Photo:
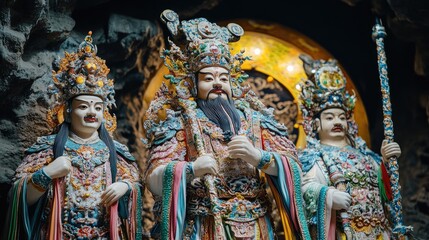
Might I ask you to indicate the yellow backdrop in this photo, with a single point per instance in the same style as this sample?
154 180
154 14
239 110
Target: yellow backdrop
274 50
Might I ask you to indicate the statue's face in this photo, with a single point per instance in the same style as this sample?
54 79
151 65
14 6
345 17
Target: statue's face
213 82
332 125
86 114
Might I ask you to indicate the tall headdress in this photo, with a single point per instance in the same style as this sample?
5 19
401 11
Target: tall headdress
81 73
325 88
200 43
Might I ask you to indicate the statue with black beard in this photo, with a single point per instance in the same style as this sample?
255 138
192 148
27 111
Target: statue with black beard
219 111
213 156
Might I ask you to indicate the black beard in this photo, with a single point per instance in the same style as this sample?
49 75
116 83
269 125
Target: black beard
214 110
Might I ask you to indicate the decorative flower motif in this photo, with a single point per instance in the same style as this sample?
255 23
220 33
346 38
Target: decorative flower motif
86 152
368 167
345 165
214 49
360 195
86 231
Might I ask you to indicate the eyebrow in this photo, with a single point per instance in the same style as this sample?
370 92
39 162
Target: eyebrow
100 102
223 73
330 113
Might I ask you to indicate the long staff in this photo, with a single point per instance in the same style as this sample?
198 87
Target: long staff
219 233
399 230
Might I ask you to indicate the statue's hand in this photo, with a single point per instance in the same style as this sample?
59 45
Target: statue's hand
60 167
205 164
240 147
340 200
389 150
113 193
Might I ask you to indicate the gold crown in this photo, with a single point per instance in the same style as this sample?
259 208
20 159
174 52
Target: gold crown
80 73
325 88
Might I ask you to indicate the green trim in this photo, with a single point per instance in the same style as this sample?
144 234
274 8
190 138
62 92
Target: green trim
167 184
321 213
298 199
139 230
381 189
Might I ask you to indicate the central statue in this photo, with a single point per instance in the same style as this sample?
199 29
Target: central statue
218 159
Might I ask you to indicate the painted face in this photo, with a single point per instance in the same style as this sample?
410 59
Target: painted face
213 82
332 125
86 114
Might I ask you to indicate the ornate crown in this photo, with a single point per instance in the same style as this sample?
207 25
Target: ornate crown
325 88
80 73
200 43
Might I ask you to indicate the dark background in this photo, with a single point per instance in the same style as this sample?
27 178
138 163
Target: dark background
33 34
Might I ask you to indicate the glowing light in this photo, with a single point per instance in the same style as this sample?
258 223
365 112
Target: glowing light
298 87
257 51
290 68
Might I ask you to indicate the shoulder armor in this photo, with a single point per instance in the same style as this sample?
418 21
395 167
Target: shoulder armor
363 148
42 143
308 158
123 151
268 122
360 144
163 131
310 154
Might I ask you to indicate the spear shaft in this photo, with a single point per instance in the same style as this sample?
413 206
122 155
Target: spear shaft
399 230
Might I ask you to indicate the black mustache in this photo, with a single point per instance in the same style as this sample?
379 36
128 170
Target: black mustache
339 126
217 89
91 116
214 90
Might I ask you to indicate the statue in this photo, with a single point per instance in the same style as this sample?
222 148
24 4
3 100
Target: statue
214 148
345 185
78 183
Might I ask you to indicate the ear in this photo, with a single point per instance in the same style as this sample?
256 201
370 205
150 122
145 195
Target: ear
67 112
317 125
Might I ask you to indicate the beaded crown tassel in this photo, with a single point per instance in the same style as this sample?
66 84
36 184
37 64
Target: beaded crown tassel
81 73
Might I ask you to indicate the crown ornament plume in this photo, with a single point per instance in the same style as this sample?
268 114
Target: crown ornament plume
325 87
198 43
81 73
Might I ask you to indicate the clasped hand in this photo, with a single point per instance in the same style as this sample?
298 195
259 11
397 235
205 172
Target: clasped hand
340 200
113 193
389 150
240 147
205 164
60 167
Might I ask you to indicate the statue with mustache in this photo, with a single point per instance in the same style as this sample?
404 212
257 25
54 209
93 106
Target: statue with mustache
217 149
77 183
345 184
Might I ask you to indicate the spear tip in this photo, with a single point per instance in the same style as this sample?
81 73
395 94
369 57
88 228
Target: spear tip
378 30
